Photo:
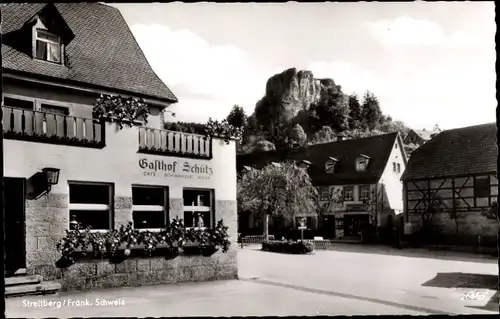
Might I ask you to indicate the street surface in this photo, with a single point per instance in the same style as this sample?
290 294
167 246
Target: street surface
418 280
324 283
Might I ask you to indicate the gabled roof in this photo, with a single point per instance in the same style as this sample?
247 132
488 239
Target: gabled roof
462 151
424 134
103 54
378 148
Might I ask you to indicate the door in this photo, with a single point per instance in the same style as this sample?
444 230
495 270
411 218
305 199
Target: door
15 248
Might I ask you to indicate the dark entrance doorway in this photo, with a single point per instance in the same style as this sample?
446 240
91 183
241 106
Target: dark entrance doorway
355 224
15 247
327 227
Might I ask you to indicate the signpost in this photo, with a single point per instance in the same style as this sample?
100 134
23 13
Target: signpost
302 226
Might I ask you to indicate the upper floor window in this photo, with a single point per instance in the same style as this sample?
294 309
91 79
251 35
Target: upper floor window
48 46
22 104
394 168
482 186
362 163
364 192
348 193
398 168
324 193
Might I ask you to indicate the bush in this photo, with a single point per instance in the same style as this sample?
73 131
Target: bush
288 247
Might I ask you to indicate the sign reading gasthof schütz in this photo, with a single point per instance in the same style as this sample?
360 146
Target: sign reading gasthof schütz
176 169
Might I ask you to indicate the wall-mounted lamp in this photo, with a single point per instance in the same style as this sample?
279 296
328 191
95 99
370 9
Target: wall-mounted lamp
52 175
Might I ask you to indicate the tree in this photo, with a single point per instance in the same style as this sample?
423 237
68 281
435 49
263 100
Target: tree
355 112
335 198
283 189
237 117
298 136
325 135
332 110
264 146
371 110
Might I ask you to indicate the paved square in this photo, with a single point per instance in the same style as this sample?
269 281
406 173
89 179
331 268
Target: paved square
342 282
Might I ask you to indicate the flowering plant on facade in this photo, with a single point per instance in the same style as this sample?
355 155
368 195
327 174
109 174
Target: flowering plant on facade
223 130
67 245
120 109
150 241
113 241
218 236
99 244
129 235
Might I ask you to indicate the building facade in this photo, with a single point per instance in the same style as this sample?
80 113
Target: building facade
358 182
54 70
451 183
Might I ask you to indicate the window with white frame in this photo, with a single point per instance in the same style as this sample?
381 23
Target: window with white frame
324 193
361 164
348 193
364 192
48 46
198 207
149 207
91 205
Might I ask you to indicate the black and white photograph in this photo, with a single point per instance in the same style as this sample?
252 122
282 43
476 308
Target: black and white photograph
249 159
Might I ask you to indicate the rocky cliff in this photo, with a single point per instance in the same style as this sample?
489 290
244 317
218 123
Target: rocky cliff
293 90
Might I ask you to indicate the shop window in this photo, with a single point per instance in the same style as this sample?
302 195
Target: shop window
348 193
149 207
198 208
91 205
364 192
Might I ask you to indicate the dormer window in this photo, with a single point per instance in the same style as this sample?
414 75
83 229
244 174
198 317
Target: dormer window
362 163
48 46
305 164
330 165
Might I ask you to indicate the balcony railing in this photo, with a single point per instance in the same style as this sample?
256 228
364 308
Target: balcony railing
36 126
164 142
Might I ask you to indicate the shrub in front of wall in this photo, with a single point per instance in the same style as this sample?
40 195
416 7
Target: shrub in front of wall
288 247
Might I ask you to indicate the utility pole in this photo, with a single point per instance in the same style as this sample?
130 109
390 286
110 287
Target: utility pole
2 211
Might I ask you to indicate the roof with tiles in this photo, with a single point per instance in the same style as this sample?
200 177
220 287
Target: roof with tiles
463 151
102 54
377 148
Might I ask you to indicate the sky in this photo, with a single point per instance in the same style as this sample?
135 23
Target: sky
428 62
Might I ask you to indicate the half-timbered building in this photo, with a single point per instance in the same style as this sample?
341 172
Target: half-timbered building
451 182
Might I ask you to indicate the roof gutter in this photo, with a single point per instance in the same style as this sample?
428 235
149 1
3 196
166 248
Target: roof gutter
83 87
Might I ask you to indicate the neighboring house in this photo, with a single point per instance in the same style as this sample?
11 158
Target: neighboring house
366 172
454 172
57 60
419 137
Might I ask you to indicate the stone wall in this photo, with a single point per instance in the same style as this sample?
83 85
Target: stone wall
47 219
138 271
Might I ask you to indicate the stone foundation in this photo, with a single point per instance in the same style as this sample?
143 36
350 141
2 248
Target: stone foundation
47 219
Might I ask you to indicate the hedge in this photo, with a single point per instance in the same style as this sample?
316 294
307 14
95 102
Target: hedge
288 247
